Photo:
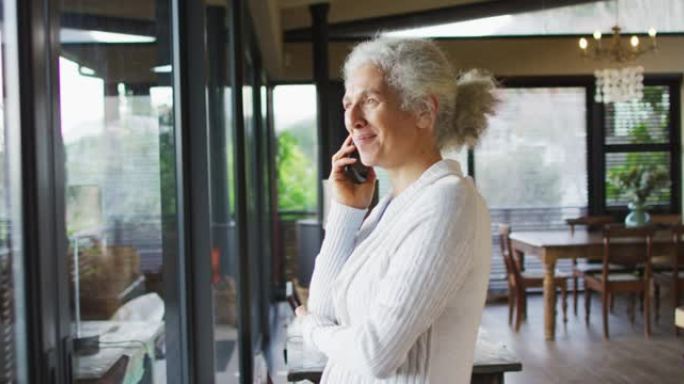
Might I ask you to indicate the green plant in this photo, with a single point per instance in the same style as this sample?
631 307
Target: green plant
637 182
297 178
642 173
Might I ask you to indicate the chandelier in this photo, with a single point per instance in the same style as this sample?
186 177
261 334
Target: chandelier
619 85
625 82
615 50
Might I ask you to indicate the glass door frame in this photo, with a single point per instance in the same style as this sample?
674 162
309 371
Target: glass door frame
49 320
44 230
187 276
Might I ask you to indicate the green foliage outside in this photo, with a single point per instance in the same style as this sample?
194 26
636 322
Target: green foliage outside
297 182
644 177
638 181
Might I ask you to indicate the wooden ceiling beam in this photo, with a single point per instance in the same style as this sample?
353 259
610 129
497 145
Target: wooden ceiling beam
368 27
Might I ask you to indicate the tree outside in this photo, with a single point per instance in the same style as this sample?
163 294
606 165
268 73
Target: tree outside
297 154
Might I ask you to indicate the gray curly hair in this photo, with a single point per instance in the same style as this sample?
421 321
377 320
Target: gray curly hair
417 68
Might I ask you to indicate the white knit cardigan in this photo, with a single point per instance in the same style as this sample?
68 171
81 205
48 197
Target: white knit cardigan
397 298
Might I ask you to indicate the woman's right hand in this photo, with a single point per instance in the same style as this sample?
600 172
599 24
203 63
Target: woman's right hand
344 190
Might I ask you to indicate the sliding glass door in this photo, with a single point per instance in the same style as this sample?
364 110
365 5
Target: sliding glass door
116 107
13 322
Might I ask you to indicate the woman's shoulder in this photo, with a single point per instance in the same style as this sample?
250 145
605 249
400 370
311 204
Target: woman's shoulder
451 190
445 203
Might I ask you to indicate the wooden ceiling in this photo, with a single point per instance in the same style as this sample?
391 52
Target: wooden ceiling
295 13
277 21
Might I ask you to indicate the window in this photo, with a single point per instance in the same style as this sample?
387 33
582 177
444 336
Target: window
295 125
116 104
639 136
295 114
13 343
531 164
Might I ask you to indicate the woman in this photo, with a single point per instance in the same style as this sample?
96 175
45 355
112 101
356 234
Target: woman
397 298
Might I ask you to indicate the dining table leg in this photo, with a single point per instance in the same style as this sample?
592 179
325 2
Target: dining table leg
549 296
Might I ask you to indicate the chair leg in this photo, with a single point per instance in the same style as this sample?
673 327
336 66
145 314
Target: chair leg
564 295
675 296
606 304
511 303
587 303
656 294
575 289
612 302
632 308
647 312
518 310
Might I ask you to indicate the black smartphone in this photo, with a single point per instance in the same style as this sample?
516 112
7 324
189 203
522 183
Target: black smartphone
291 295
293 302
357 172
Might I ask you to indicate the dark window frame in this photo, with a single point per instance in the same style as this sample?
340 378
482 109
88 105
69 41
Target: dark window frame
674 83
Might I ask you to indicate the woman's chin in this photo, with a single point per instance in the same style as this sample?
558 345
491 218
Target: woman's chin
368 160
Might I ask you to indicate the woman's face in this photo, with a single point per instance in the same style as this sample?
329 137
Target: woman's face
383 133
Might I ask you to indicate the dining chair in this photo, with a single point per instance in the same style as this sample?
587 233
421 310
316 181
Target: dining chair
664 262
666 219
608 283
674 277
679 318
519 281
579 269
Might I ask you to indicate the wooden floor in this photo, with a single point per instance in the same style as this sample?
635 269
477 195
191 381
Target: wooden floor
581 355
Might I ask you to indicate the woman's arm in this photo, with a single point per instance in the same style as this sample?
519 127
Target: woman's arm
340 233
344 221
430 264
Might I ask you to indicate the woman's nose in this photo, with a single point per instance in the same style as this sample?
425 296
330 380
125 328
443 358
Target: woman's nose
355 117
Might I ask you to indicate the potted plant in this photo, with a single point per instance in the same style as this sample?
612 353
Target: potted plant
636 183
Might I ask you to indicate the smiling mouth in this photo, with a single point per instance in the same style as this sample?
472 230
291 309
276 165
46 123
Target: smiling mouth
363 138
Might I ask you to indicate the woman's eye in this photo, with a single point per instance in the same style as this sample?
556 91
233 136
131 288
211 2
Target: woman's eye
371 101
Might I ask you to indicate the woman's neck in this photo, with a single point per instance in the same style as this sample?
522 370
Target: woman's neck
404 175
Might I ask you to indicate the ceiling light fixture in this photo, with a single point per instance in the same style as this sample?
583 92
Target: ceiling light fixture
621 83
616 50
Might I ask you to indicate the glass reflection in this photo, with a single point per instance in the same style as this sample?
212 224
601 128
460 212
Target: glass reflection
13 348
117 128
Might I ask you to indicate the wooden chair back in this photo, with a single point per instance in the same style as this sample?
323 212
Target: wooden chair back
591 222
678 262
612 232
512 267
666 219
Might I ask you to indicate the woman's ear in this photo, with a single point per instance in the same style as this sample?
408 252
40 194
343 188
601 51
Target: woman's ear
428 116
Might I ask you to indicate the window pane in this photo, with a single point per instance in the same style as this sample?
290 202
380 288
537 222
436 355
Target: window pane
295 125
635 168
13 354
117 127
294 118
531 165
640 122
224 226
534 153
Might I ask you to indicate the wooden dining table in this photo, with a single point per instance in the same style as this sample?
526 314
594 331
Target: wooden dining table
551 246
